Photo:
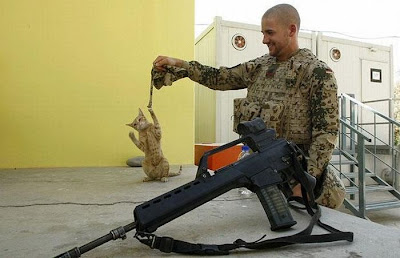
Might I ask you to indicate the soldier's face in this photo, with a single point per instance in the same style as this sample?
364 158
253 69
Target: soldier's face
276 37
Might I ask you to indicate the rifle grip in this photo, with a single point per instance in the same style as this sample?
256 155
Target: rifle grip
276 207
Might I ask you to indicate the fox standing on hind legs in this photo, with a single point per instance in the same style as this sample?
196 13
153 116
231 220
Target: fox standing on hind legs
155 165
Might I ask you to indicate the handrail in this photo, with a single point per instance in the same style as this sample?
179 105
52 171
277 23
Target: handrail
344 122
370 109
380 100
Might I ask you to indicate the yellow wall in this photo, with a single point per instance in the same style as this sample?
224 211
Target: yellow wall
74 72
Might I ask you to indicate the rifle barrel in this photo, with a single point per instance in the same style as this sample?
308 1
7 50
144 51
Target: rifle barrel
113 235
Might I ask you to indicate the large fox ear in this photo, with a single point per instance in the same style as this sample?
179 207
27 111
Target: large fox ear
140 112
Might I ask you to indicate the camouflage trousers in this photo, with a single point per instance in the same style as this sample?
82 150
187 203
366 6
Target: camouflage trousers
332 191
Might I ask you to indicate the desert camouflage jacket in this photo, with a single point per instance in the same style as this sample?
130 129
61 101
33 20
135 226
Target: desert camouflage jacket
303 110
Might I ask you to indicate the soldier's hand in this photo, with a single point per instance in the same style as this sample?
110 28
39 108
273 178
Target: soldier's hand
161 61
297 190
150 110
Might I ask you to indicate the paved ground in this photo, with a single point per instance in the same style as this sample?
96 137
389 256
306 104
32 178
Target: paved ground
44 212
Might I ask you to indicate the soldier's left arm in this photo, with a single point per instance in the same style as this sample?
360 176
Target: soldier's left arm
324 119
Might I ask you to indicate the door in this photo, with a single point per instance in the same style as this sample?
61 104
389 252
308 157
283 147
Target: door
376 92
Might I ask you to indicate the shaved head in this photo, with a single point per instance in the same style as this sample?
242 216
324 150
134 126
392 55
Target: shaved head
280 28
285 13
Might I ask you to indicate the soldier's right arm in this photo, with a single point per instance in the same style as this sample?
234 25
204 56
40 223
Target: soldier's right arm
224 78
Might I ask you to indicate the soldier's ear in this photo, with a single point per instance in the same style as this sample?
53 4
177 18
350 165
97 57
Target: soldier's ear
293 30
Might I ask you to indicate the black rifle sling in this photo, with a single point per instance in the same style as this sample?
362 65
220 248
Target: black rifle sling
168 244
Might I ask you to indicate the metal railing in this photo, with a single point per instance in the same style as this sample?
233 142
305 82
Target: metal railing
393 110
366 150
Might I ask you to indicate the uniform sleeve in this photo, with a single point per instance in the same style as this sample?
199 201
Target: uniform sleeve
325 119
223 78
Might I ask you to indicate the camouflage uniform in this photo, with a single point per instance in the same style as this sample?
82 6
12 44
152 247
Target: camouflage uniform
297 97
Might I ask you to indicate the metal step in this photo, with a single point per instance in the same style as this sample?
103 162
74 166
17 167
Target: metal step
368 188
343 158
355 174
343 162
340 152
381 205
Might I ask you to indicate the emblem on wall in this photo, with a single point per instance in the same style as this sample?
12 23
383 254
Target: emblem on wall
335 54
239 42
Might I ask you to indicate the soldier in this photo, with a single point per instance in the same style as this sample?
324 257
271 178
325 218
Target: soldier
289 88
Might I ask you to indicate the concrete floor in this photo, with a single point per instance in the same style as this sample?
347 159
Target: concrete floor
45 212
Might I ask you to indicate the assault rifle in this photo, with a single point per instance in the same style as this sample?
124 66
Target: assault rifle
267 172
